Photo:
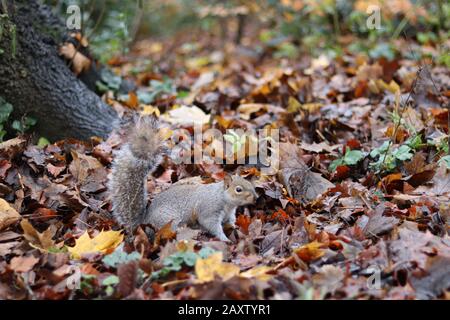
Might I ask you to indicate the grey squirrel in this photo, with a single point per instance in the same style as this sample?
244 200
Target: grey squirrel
185 202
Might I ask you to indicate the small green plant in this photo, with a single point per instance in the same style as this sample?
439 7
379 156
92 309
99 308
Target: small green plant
445 160
5 112
119 256
108 81
23 125
20 126
350 158
109 283
157 88
177 260
389 158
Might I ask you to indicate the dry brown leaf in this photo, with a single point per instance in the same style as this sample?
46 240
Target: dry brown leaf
301 183
23 264
8 215
42 241
329 278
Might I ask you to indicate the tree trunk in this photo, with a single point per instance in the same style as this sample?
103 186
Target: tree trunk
38 82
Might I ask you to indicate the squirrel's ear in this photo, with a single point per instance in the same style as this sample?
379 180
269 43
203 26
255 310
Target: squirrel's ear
227 180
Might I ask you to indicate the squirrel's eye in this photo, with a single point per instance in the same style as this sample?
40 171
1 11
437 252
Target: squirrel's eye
238 189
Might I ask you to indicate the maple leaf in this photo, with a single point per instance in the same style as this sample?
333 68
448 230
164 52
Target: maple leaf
207 269
104 242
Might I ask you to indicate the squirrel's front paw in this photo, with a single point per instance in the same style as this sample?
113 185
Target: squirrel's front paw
223 237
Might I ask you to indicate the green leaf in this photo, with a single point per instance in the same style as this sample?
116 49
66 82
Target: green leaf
206 252
182 94
109 291
119 257
5 110
352 157
336 163
190 258
380 150
403 153
414 142
111 280
43 142
445 160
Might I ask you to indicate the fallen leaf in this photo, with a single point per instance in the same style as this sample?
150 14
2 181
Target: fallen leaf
329 278
259 273
207 269
104 242
42 241
8 215
185 115
378 223
165 233
311 251
23 264
301 183
440 181
243 222
127 274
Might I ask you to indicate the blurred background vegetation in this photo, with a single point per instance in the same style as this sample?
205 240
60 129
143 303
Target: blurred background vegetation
288 27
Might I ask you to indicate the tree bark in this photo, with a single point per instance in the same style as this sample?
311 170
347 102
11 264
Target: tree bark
38 82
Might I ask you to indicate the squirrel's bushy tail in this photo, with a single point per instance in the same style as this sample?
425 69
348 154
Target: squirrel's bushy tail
140 155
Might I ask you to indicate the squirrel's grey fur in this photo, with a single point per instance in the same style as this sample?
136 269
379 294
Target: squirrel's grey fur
185 202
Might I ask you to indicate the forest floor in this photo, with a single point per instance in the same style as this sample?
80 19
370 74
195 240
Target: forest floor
358 209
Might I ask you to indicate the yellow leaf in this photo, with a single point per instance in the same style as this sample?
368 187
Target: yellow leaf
165 133
149 110
310 252
8 215
312 107
156 47
293 105
104 242
392 87
207 269
247 109
259 273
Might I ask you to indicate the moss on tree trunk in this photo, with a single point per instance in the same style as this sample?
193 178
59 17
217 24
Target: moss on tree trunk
38 83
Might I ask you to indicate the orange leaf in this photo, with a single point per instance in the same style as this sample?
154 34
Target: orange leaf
133 101
165 233
310 252
280 215
243 222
